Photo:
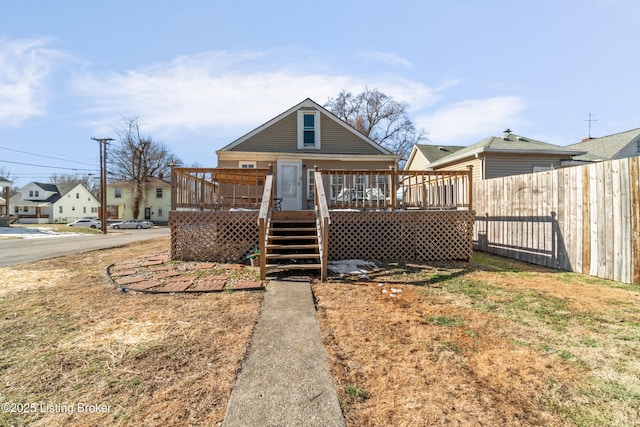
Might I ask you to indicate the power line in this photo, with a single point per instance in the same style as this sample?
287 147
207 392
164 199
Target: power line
47 157
45 166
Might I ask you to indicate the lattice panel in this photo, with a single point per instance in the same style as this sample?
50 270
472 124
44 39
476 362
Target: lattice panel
401 235
219 236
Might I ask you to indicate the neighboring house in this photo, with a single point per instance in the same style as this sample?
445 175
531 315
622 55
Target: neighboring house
611 147
294 142
41 203
155 204
509 154
424 154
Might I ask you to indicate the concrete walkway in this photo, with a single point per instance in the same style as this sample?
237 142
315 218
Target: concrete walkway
285 379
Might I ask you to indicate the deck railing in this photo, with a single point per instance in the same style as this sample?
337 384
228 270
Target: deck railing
264 220
226 188
323 221
217 188
360 189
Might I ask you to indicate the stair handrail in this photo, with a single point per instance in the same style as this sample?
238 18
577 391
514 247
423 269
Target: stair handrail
323 221
264 218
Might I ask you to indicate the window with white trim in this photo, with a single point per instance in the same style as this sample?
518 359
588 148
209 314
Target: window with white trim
247 165
117 192
309 129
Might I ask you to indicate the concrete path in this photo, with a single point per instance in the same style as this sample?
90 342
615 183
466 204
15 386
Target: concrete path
285 379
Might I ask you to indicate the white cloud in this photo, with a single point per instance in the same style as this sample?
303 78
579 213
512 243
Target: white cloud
223 93
466 122
24 66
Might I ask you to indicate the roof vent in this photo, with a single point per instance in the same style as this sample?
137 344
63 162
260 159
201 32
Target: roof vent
506 134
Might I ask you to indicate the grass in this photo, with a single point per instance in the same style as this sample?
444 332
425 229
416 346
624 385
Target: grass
69 337
490 342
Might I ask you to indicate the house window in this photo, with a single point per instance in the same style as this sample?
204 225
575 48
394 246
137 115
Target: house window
16 210
247 165
30 193
73 208
159 193
336 185
94 210
309 129
159 212
59 209
84 209
117 192
638 146
37 193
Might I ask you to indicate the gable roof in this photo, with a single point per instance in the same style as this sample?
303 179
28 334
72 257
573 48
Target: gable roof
435 152
509 143
47 187
306 103
606 147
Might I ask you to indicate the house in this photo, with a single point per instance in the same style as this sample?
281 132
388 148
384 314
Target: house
611 147
41 203
154 206
509 154
424 154
301 138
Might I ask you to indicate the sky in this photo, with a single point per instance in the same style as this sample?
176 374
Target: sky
199 74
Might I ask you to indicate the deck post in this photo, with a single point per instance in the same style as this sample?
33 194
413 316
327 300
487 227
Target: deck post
394 187
470 191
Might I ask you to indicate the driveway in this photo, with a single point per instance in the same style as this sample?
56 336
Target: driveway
34 245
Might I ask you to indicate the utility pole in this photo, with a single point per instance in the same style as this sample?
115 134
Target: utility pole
103 181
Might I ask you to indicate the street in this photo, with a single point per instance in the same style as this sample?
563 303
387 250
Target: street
21 251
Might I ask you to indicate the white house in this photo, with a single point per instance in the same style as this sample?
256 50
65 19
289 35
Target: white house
41 203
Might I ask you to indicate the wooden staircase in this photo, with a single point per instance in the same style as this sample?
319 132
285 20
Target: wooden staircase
292 242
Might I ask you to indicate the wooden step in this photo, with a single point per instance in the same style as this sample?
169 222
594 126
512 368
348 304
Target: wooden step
306 237
293 246
292 256
293 266
293 229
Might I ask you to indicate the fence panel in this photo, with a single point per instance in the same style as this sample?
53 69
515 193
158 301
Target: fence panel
584 219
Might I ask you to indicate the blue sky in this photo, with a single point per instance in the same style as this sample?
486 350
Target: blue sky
200 74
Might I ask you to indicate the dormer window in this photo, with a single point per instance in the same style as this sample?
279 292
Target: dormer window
309 129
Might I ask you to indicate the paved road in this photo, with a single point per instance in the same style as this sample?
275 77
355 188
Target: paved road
21 251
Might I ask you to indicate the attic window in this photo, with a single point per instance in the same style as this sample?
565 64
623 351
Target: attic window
309 129
638 146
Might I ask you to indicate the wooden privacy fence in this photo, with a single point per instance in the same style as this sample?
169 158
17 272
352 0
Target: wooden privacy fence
584 219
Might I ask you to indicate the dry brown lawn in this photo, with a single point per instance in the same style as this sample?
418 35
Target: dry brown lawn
491 342
69 337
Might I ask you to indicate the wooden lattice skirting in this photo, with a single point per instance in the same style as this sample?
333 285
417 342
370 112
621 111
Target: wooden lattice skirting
220 236
223 236
401 235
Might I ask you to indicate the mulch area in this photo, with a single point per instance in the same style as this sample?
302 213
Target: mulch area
156 273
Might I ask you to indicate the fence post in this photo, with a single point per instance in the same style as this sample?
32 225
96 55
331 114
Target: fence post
394 187
174 186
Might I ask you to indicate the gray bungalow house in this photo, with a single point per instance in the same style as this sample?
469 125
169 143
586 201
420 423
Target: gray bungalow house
294 142
611 147
495 157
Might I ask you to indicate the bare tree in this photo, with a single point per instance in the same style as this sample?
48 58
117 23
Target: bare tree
137 158
7 175
379 117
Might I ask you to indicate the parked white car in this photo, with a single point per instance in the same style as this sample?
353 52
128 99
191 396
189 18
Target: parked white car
132 223
85 222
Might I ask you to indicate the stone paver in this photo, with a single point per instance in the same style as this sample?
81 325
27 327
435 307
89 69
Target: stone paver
207 285
143 286
246 285
127 280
